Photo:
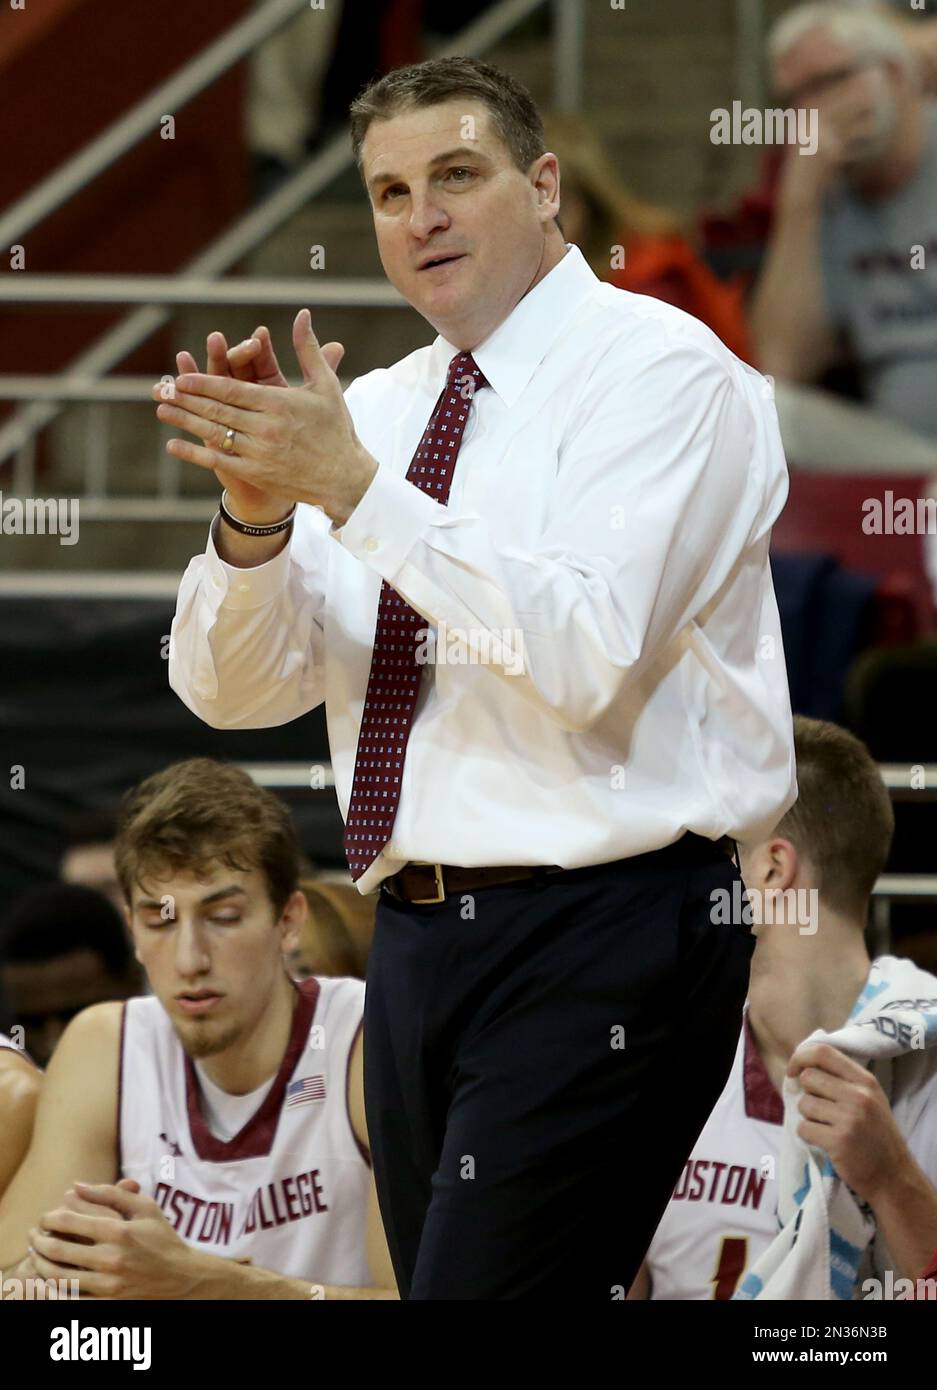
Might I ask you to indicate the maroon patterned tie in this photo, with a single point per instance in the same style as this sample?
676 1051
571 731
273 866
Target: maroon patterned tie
394 681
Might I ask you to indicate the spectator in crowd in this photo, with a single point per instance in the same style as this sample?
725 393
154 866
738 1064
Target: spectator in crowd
302 79
62 948
851 264
283 111
89 855
631 243
917 27
336 935
833 843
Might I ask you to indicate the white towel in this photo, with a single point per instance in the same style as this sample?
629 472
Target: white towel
825 1230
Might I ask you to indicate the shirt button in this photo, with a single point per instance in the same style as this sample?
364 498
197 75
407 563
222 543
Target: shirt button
244 588
371 543
216 581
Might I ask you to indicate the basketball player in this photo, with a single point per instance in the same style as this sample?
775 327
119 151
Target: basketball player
230 1103
20 1080
806 974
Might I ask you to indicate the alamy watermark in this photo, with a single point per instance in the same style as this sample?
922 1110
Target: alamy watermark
791 907
775 126
899 1288
34 1288
475 646
901 516
40 516
77 1343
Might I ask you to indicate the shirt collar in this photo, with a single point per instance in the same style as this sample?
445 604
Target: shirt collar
509 356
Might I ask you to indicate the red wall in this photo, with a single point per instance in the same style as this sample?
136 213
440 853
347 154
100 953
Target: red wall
68 68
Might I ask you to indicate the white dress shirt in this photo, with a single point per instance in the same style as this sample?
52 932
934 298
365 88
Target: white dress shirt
605 547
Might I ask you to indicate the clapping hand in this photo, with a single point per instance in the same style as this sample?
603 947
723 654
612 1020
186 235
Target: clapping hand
289 443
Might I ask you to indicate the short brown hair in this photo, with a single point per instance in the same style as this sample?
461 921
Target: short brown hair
513 113
842 819
198 812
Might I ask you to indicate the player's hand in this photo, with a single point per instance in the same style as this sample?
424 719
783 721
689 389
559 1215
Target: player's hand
115 1242
299 443
854 114
847 1114
848 119
252 360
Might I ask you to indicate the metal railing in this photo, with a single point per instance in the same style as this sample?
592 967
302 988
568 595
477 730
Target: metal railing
173 94
255 226
347 292
198 283
896 777
109 389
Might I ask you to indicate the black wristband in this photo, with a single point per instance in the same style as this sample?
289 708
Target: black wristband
246 529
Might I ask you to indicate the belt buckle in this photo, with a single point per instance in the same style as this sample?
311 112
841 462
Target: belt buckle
440 886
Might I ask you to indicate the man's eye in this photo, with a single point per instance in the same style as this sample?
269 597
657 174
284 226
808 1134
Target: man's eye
225 917
456 169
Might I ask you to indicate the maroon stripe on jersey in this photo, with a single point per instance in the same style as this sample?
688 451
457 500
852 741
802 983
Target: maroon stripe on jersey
354 1133
762 1099
256 1138
120 1089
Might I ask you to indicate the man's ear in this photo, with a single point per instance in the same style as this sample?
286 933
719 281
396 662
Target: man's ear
547 182
293 920
782 863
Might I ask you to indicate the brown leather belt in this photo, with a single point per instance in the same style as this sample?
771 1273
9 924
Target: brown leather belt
430 883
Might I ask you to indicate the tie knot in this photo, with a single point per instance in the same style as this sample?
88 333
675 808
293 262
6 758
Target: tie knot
463 369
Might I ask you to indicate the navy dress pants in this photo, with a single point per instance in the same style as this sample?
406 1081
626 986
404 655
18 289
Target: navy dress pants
540 1058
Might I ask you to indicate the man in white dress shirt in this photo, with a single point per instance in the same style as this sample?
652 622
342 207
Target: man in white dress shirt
581 556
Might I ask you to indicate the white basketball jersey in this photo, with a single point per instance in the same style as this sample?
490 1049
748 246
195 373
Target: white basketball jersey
723 1211
290 1191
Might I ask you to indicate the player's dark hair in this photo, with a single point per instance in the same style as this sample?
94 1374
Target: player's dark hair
194 814
842 819
56 919
513 112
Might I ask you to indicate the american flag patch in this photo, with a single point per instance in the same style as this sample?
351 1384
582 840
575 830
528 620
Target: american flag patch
302 1092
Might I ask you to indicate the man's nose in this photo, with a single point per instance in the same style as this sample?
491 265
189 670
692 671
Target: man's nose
425 215
191 951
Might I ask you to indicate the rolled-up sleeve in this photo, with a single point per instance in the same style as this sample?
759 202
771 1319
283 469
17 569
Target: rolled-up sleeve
245 649
658 490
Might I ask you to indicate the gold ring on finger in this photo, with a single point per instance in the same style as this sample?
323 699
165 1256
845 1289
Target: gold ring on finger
227 444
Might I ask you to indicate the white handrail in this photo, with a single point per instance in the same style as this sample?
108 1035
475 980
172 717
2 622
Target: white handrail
234 244
749 52
906 886
285 776
348 292
86 388
144 118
